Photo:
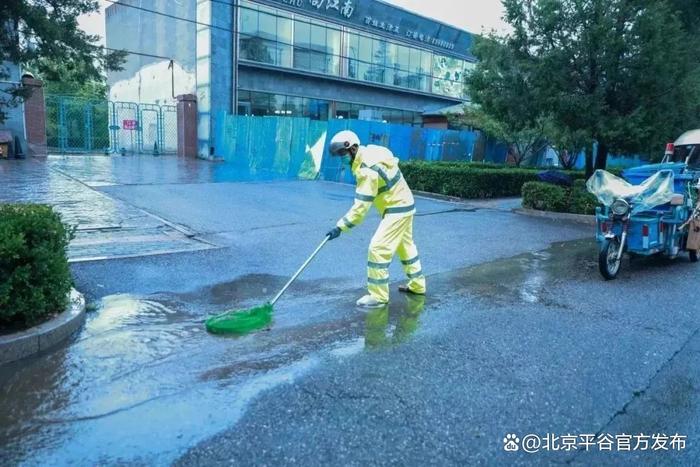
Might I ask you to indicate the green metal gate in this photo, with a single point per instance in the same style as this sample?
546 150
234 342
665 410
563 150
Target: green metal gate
77 125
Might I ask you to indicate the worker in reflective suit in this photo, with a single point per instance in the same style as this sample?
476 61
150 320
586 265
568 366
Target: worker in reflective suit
380 183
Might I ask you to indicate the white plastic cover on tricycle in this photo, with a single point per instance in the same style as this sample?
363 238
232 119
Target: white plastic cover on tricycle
654 191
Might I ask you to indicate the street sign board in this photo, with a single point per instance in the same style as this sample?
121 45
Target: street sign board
129 125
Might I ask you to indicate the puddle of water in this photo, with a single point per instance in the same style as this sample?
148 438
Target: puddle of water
257 289
143 381
524 278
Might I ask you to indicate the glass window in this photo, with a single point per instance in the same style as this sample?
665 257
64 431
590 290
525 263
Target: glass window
317 57
390 70
249 29
243 102
267 26
318 38
342 110
278 105
400 78
333 44
415 61
267 31
426 62
284 41
257 49
296 106
403 54
353 55
249 21
378 61
273 36
302 35
259 103
365 48
378 52
316 109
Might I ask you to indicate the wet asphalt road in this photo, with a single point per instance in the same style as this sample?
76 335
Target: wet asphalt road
517 335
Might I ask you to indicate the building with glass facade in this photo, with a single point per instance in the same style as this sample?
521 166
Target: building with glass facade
321 59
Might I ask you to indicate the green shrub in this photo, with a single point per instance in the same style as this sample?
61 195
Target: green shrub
465 180
581 201
547 197
34 274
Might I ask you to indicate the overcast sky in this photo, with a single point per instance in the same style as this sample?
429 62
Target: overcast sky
472 15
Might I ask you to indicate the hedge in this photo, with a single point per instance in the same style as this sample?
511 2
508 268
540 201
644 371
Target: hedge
34 274
547 197
486 180
573 173
466 180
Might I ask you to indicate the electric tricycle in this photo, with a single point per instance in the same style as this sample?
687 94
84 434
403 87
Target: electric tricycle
651 210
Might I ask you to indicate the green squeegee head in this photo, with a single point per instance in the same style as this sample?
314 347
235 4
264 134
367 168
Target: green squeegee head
245 321
240 322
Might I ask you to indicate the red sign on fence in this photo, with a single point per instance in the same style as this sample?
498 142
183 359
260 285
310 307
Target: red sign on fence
129 125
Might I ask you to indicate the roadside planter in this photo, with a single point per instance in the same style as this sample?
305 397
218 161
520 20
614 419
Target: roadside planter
46 335
35 280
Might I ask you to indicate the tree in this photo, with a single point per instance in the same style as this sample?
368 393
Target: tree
622 72
523 142
501 89
44 35
566 144
70 82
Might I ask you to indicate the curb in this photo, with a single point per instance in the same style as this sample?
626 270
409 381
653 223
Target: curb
557 216
22 344
439 197
478 203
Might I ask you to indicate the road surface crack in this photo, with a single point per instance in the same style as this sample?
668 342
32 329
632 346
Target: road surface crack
640 393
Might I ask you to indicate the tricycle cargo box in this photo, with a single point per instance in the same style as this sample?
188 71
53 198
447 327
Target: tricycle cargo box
637 175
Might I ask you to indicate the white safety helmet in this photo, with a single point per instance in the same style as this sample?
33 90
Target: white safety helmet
342 142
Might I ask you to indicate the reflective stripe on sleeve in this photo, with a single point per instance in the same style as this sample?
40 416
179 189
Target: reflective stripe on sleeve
347 223
366 198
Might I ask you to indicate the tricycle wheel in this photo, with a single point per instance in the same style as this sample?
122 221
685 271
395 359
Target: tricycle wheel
693 256
608 263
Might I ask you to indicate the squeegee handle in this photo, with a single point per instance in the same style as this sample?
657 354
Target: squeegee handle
301 269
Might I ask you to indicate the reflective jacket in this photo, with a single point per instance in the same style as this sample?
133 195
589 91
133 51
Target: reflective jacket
379 182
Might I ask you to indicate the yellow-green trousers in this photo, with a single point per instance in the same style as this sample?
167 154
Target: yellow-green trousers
394 235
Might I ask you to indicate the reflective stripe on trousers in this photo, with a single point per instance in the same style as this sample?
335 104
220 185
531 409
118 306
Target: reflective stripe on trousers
394 235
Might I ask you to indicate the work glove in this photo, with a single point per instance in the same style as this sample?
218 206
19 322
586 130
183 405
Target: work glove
334 233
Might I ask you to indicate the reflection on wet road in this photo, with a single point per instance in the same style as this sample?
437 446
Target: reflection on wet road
143 381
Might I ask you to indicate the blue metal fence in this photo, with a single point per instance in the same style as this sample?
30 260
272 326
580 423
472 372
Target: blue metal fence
77 125
265 148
